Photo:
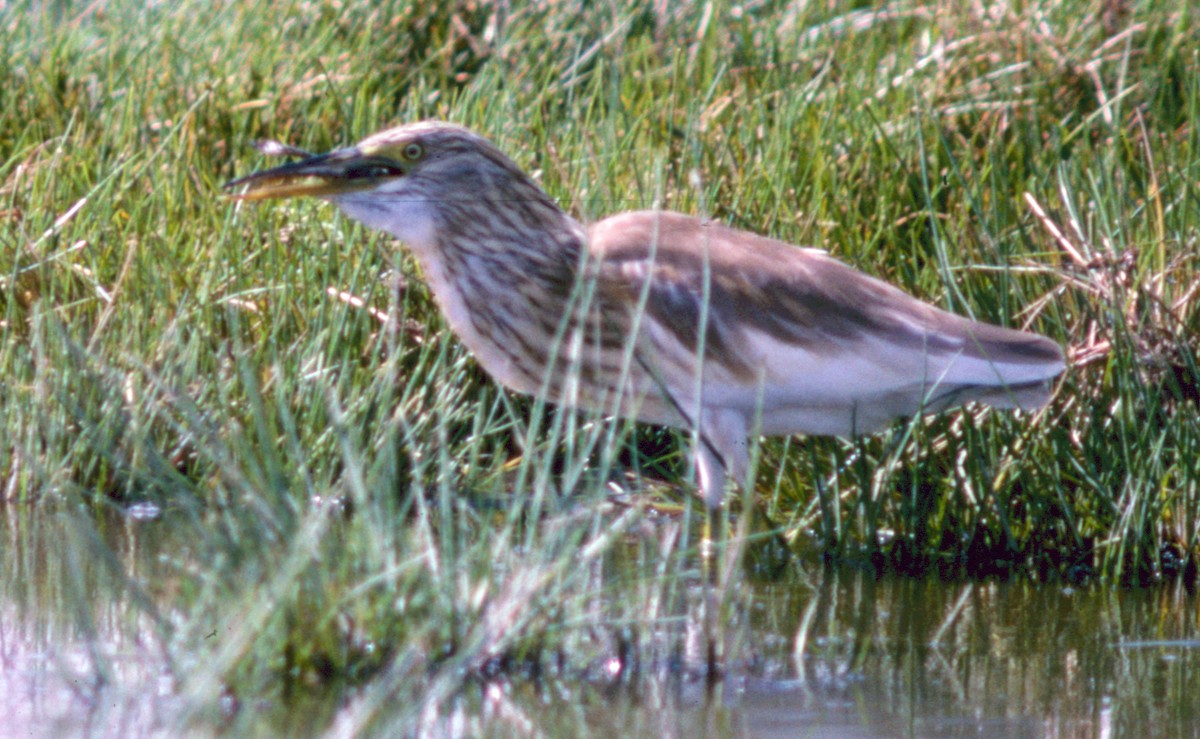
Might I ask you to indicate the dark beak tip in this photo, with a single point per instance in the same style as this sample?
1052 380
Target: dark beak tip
235 183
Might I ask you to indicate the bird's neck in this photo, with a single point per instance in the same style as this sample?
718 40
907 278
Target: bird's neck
513 220
503 271
514 224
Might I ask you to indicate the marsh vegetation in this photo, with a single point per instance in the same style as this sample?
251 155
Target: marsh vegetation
355 511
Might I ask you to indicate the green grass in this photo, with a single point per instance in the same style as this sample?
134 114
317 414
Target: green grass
361 505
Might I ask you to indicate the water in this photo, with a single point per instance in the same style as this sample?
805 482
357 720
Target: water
925 658
60 662
837 654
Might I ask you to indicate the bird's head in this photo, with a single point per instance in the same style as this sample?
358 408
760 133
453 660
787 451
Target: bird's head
440 152
410 181
432 185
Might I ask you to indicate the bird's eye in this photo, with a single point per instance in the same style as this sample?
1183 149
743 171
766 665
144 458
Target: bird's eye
413 151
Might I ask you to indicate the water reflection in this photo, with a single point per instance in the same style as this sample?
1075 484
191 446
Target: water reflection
955 659
860 657
80 647
81 650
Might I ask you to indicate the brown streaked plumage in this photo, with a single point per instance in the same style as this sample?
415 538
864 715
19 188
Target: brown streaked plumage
659 316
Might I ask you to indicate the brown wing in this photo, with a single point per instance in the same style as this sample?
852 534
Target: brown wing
796 331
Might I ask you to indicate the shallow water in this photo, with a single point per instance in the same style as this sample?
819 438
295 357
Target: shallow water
890 657
925 658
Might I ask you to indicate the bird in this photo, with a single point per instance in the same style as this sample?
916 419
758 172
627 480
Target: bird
658 316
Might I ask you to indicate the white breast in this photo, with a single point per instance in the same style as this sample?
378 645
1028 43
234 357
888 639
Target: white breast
413 221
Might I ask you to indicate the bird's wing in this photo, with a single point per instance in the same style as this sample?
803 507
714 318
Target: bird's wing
794 332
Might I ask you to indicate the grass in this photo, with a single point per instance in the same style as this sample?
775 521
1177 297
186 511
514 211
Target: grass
360 506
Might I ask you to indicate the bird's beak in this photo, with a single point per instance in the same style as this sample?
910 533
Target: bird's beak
336 173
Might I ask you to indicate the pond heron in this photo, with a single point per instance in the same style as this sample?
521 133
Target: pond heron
657 316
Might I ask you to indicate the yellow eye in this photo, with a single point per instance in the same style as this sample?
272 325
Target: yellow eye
413 151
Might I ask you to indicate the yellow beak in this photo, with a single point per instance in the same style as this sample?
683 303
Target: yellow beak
336 173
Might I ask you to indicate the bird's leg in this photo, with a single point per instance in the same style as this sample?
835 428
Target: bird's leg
711 476
720 453
721 457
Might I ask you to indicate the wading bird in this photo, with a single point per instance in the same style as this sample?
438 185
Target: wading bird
658 316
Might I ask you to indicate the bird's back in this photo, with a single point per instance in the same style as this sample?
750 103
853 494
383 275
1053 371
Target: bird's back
796 338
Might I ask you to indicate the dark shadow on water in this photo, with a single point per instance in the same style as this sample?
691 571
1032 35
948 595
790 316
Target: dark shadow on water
826 654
